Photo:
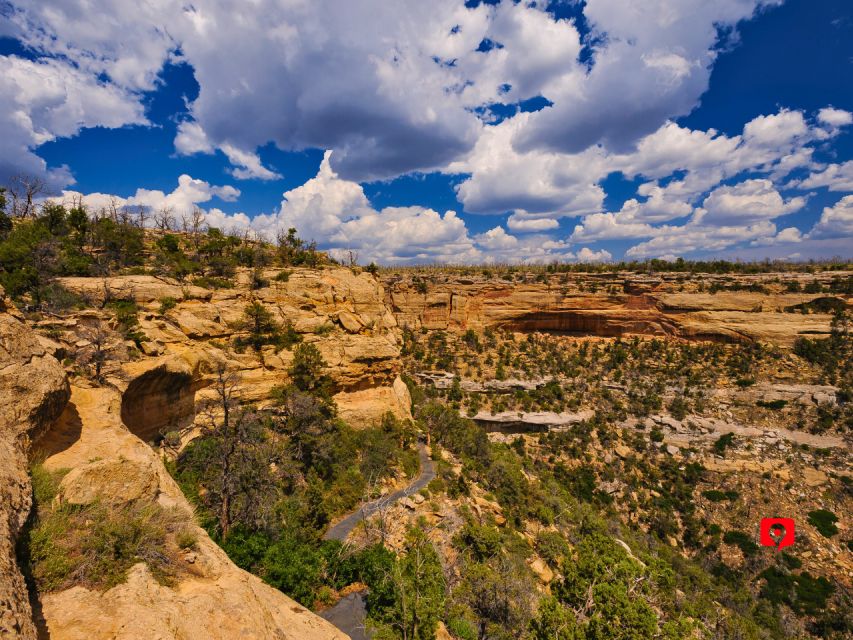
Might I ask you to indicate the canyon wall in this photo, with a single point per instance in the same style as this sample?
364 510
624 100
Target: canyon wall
33 392
100 433
342 312
603 305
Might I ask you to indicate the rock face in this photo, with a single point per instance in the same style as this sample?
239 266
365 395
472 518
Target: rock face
216 600
159 396
341 312
621 304
33 391
531 421
101 435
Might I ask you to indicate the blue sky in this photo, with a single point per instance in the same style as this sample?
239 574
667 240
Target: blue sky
565 131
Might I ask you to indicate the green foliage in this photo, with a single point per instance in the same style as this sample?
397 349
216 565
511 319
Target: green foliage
411 593
776 405
741 540
127 318
293 251
605 584
213 282
804 593
824 521
678 407
94 545
170 259
552 547
307 373
482 541
715 495
167 304
263 329
498 595
722 443
834 354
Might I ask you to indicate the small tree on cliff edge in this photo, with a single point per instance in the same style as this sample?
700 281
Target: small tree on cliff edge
239 467
307 372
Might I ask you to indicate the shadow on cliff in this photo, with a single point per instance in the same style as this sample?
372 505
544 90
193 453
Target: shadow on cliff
22 552
61 436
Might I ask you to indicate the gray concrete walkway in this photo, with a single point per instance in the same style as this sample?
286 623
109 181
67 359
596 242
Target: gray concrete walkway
343 528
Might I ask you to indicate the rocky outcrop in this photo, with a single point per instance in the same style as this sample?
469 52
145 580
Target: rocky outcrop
143 289
159 396
602 305
340 311
531 421
213 599
33 391
367 407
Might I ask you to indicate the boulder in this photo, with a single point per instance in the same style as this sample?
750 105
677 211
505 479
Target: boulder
365 408
541 570
350 322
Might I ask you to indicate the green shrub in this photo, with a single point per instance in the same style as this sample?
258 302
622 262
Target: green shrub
95 545
741 540
324 329
772 404
804 593
723 442
792 562
824 521
715 495
166 304
213 282
552 547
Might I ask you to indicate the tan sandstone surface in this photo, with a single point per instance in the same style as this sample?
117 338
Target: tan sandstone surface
215 600
101 435
342 312
33 391
620 304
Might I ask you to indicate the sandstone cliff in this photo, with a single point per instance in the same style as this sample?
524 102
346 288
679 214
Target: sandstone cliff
604 305
100 439
33 392
343 313
214 599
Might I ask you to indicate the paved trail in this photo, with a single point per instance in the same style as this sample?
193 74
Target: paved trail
341 530
349 613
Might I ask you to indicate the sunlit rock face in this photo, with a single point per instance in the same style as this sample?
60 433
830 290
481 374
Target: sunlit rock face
606 305
33 392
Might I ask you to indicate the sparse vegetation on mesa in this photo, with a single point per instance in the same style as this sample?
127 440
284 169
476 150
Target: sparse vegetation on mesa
55 240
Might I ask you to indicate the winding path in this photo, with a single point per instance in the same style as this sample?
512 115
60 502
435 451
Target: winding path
349 613
343 528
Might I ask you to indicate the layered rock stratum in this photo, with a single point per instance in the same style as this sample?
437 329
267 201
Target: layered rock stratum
608 305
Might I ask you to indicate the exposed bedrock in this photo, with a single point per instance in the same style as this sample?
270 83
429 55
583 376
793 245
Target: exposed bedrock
33 392
618 307
610 324
160 399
